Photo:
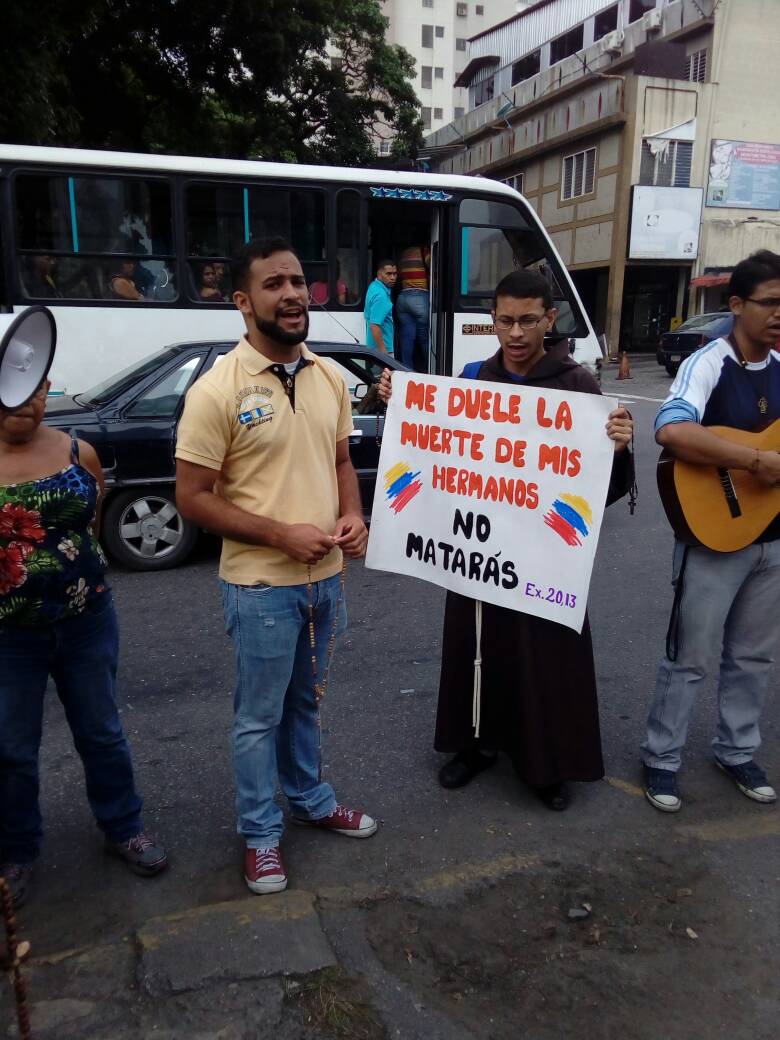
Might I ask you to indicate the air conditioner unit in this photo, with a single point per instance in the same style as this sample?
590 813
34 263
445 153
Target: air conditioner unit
613 42
652 20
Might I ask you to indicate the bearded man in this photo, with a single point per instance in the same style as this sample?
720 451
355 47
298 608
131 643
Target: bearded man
263 460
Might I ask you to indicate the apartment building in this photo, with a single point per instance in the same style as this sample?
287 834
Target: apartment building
644 133
436 33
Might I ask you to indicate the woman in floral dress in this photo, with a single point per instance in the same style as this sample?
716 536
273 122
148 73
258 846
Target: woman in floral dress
57 619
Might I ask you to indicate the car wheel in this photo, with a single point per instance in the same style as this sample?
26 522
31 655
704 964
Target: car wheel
143 529
671 368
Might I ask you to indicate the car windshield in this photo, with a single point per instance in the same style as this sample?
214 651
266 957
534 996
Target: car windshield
700 320
117 384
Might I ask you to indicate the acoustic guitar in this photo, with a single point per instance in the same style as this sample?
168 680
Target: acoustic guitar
722 509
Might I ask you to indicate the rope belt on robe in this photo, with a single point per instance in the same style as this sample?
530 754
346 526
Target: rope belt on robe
476 704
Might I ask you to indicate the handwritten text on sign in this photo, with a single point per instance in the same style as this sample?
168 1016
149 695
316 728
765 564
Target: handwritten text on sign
493 491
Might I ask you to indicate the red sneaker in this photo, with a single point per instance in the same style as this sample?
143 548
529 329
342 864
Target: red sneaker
264 871
349 822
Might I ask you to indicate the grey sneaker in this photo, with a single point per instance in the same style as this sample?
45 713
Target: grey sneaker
750 779
142 853
18 876
661 789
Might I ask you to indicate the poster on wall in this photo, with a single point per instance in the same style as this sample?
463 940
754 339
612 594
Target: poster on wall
493 491
744 175
665 223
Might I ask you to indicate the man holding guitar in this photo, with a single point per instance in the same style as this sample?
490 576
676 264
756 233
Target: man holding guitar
719 426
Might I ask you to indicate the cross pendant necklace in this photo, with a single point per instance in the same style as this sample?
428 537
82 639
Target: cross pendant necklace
762 402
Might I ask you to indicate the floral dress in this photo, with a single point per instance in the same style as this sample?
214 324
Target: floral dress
51 564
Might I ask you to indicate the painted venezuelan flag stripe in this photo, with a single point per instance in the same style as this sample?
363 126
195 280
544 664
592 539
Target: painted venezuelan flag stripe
570 516
401 485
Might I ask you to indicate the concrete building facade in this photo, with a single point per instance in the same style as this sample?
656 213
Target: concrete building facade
644 133
436 33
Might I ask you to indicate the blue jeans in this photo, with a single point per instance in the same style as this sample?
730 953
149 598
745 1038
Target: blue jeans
80 654
728 609
276 725
413 309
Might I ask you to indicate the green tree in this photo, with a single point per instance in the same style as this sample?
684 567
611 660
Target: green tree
239 78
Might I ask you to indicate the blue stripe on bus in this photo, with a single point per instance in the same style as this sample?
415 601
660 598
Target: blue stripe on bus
74 229
464 262
246 214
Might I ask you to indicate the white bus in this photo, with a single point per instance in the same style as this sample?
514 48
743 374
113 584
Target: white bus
132 252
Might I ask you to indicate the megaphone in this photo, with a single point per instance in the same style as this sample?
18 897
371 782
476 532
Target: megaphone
26 354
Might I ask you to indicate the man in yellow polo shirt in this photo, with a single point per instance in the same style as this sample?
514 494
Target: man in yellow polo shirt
263 460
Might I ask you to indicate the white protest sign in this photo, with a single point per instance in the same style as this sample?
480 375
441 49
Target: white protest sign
493 490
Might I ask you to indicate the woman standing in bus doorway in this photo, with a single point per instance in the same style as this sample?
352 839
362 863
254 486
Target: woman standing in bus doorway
413 305
57 619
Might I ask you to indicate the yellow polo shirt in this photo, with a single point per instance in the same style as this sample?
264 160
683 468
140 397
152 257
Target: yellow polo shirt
271 460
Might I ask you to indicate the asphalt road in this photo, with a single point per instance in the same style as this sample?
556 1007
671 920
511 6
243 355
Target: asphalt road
175 690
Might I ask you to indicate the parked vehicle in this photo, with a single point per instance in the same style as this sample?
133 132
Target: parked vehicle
675 347
132 251
131 421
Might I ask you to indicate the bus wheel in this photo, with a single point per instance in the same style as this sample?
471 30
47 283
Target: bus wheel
143 529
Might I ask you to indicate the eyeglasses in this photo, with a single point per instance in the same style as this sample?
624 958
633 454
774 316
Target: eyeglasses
527 322
772 302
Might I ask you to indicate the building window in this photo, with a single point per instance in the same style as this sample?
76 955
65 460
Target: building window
639 7
459 112
439 32
335 63
605 22
562 46
438 72
427 3
426 76
427 36
484 91
461 10
579 174
438 113
460 45
696 67
426 118
480 9
526 67
665 163
515 182
384 147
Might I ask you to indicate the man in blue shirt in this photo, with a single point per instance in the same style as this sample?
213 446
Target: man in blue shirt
378 310
726 603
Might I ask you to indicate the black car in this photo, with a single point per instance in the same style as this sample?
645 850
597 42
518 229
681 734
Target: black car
131 421
675 347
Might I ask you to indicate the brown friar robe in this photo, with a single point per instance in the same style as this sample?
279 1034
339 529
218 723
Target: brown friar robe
538 699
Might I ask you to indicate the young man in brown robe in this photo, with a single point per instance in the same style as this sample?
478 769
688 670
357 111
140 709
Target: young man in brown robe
539 701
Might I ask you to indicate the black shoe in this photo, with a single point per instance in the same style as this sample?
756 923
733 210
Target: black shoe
555 796
462 769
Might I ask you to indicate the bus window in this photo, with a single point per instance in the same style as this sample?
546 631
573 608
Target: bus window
348 206
511 243
104 238
214 219
221 218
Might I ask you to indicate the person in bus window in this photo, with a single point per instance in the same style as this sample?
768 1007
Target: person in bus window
209 290
121 285
223 279
40 281
319 290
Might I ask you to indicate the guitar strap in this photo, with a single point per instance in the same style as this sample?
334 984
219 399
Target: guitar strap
673 631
